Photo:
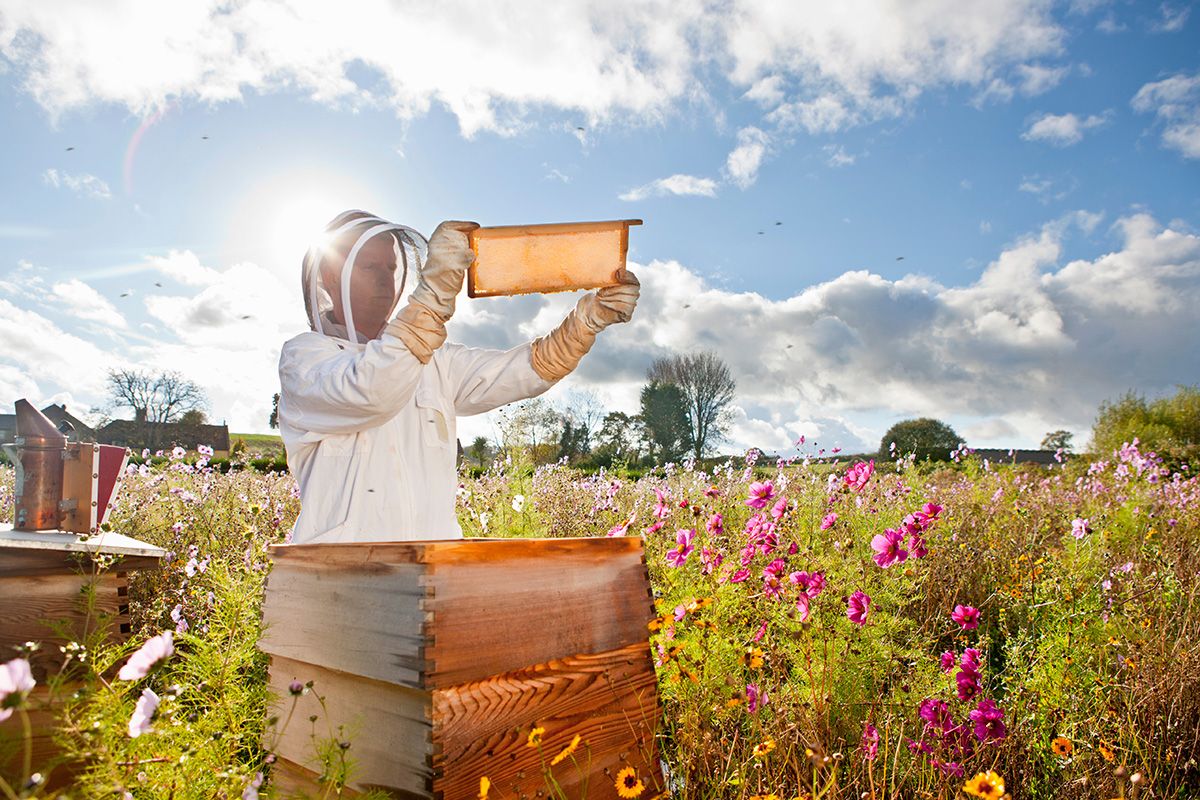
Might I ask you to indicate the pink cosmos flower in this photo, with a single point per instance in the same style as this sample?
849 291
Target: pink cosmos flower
947 661
760 494
755 698
857 606
810 584
1080 527
773 577
889 548
936 715
989 721
677 555
966 616
663 506
917 546
16 681
715 525
779 509
710 559
858 475
712 491
828 521
870 742
656 527
622 528
803 607
156 649
143 712
761 632
739 576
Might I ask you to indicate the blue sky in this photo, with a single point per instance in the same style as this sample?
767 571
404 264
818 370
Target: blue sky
1034 164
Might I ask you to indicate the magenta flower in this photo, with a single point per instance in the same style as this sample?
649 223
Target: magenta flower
967 678
870 742
917 546
761 632
966 616
989 721
947 661
858 475
16 681
755 698
811 584
622 528
889 548
156 649
739 576
663 507
803 607
857 606
779 509
773 577
715 525
656 527
760 494
710 559
936 715
143 712
828 521
678 554
1080 527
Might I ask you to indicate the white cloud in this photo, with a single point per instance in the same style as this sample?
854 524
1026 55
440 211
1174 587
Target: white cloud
837 156
1175 101
492 64
83 184
184 266
1046 189
1063 130
674 184
1172 20
84 302
744 161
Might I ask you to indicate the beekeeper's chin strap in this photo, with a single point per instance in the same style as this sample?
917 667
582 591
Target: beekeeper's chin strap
405 234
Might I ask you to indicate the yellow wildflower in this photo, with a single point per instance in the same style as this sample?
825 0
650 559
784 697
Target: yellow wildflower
535 737
566 751
1062 746
1105 751
753 658
765 746
628 783
987 785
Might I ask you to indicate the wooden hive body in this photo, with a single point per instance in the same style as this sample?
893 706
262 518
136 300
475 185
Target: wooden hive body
42 577
439 657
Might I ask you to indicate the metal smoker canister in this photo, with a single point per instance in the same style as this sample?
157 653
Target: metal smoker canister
39 486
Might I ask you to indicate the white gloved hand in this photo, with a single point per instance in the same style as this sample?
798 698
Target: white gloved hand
421 324
441 277
557 353
610 304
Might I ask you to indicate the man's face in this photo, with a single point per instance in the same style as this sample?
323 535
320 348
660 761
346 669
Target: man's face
373 284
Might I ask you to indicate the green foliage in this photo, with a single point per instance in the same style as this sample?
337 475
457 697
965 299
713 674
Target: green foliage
1169 425
1058 440
665 421
925 437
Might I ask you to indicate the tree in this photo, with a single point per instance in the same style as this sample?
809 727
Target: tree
707 387
1058 440
193 416
273 420
479 450
532 424
617 439
928 438
664 418
155 398
1169 425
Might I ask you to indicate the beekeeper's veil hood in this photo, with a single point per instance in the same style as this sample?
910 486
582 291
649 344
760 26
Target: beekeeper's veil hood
343 298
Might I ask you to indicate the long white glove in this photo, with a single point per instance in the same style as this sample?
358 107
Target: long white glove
421 324
557 353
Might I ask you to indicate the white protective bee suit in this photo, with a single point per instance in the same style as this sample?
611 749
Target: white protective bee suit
368 420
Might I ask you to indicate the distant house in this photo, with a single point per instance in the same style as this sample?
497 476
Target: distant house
1004 456
133 433
76 429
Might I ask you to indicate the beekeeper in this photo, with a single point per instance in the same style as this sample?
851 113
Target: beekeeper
369 396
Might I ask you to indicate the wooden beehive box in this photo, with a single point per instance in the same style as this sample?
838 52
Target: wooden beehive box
42 578
558 257
439 657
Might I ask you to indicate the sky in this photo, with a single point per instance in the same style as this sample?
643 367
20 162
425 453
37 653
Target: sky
982 212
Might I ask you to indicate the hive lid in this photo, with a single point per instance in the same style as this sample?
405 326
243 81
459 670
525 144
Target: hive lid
104 543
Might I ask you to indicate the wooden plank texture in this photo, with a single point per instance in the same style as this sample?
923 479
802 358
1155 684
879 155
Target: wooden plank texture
500 605
388 726
369 621
610 699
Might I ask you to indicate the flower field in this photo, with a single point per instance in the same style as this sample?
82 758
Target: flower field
824 630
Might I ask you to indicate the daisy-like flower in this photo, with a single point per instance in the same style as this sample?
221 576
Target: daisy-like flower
143 712
518 502
803 607
857 606
1062 746
947 661
889 548
156 649
535 737
1080 527
566 751
715 525
16 681
677 555
628 783
989 721
987 785
858 475
966 616
773 577
764 747
761 493
828 520
755 698
870 742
